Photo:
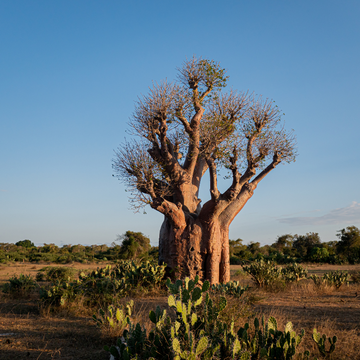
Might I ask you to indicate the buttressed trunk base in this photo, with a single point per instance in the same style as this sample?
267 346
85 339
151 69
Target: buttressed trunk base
198 249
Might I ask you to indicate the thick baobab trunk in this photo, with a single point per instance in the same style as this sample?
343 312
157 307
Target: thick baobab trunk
200 248
199 245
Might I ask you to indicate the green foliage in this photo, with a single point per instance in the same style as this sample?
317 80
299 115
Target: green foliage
20 285
267 342
284 242
59 294
54 273
319 254
349 244
293 272
194 331
115 318
304 243
105 284
25 243
333 278
320 341
263 272
141 274
134 245
232 288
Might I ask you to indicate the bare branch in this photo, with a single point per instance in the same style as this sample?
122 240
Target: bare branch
219 122
172 211
214 191
133 165
271 166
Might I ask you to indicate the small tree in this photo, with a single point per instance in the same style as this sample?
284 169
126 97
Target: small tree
187 128
304 243
134 245
284 242
25 243
349 240
235 246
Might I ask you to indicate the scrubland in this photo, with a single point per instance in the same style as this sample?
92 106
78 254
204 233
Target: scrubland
31 329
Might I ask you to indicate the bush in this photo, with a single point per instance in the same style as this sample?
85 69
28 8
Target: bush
59 294
293 273
263 272
105 284
232 288
55 273
331 279
22 285
234 260
114 319
355 276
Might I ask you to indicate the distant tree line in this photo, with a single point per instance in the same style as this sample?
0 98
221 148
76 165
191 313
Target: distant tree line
302 248
134 245
131 245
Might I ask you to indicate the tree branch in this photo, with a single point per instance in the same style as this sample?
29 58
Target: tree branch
173 212
182 118
271 166
214 191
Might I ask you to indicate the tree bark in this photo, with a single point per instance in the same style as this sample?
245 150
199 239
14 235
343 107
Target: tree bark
201 248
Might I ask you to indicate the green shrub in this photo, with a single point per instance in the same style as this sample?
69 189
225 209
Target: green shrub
232 288
235 260
355 276
105 284
332 279
293 273
22 285
263 272
336 278
25 244
55 273
114 318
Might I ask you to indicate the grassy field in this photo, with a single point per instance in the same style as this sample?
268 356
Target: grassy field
30 331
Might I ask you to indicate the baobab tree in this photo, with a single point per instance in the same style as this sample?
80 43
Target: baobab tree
184 129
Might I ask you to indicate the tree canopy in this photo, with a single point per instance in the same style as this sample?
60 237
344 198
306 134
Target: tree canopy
191 125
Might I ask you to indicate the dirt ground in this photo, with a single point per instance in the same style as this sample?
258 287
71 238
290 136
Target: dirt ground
27 331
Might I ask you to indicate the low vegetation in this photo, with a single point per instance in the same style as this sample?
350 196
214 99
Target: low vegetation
129 307
194 331
188 319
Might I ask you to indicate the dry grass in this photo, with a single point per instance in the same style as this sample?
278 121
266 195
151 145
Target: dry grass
9 270
71 333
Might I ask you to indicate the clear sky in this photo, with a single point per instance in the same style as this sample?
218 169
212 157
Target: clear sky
70 72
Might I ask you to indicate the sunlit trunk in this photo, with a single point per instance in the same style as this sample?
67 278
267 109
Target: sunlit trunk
202 249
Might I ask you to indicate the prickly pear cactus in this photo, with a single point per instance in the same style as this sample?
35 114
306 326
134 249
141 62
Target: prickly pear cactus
293 273
320 341
232 288
115 317
195 332
263 272
332 278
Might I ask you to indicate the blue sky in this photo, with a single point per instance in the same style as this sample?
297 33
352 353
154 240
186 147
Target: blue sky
70 72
